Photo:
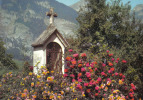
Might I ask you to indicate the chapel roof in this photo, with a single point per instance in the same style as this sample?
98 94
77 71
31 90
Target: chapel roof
44 36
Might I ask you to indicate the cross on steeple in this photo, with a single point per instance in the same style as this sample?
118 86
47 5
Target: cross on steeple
51 14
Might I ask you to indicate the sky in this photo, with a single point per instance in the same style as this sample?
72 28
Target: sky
133 2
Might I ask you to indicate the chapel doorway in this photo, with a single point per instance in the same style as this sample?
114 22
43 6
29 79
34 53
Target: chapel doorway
54 57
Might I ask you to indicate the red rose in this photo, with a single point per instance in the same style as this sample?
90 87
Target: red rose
124 61
70 50
75 55
110 64
83 55
110 55
112 69
96 94
66 70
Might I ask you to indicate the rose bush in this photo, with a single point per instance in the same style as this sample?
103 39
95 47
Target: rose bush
99 79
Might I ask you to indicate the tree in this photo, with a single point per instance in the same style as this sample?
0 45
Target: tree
6 59
113 25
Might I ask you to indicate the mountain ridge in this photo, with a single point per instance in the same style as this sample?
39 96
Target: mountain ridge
22 21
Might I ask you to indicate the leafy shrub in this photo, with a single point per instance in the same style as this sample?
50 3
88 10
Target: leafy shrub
46 85
83 79
100 79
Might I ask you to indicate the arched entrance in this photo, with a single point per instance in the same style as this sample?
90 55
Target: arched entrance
54 57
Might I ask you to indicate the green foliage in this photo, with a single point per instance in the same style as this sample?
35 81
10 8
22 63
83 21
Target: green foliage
113 25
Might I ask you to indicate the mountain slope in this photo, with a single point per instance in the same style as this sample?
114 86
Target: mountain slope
77 6
22 21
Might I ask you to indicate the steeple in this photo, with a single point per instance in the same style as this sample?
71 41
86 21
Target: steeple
51 14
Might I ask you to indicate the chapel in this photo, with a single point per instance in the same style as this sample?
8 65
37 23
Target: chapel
49 48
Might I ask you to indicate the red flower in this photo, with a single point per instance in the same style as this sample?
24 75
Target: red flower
99 79
112 59
88 91
90 70
112 74
85 84
31 68
103 64
97 88
124 61
68 58
131 90
95 69
72 75
79 80
118 59
107 51
88 74
120 74
110 55
102 73
83 55
87 64
71 66
116 73
66 70
70 50
132 85
80 74
112 69
75 55
96 94
110 64
79 65
65 75
82 69
73 80
123 76
73 62
79 86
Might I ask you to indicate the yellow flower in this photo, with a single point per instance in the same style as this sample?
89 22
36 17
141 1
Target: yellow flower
59 97
62 92
21 83
52 71
51 97
115 91
47 85
76 82
44 73
120 82
30 73
12 97
32 84
10 73
83 95
38 83
0 85
38 76
23 95
73 90
34 96
102 98
49 79
25 90
24 79
44 97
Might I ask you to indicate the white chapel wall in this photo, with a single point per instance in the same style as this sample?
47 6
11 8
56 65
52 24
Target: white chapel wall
38 59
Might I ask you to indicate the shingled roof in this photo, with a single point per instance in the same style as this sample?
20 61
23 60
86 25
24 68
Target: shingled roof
44 36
